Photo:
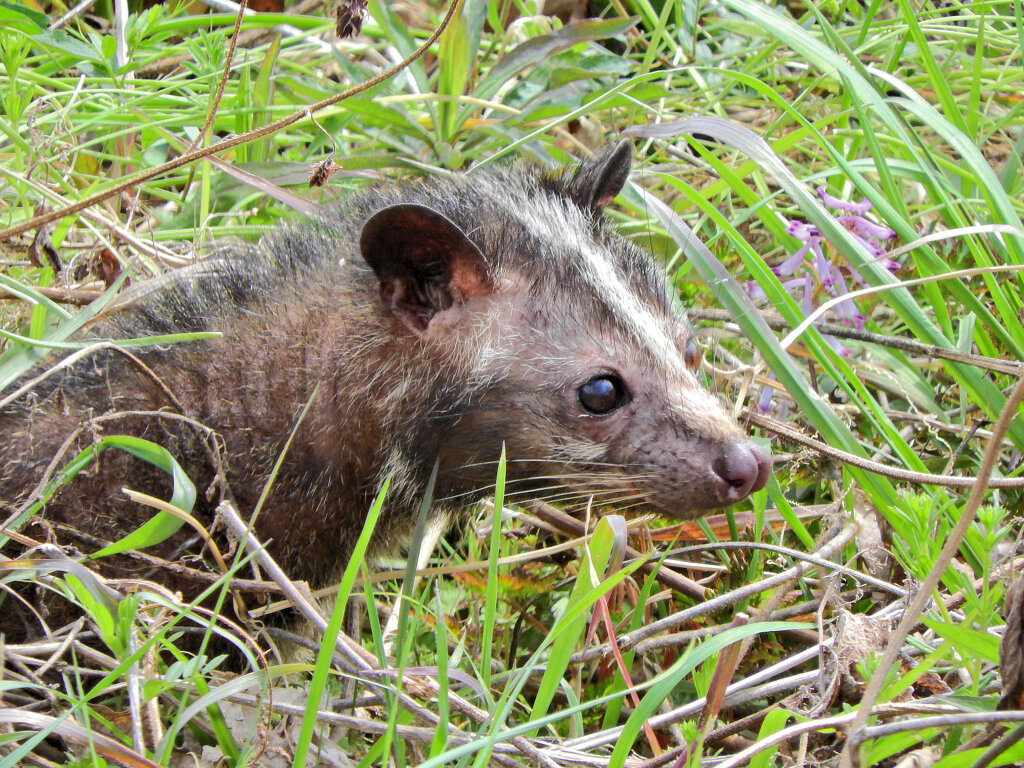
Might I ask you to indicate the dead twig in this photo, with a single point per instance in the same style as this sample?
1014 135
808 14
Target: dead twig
894 473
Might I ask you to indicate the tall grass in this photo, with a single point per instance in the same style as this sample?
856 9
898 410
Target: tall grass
510 653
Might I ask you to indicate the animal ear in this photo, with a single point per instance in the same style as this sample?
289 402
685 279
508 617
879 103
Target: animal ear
424 262
597 181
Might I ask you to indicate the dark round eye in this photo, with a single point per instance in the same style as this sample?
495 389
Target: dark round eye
602 394
691 355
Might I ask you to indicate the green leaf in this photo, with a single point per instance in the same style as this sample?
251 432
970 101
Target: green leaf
536 51
1014 755
968 641
455 60
491 601
64 43
774 722
22 18
162 525
596 556
263 98
668 681
325 656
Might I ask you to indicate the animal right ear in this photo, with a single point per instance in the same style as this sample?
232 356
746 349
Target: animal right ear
424 262
597 181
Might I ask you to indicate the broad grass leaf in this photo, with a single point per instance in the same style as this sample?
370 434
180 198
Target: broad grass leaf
774 722
979 644
593 564
162 525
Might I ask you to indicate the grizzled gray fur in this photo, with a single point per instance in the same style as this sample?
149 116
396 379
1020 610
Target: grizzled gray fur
427 320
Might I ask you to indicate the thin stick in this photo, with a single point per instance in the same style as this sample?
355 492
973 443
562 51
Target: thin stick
212 113
911 346
895 473
72 13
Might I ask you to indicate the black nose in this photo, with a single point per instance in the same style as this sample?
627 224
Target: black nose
743 468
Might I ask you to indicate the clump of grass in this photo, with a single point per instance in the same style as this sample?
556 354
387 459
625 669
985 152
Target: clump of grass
520 655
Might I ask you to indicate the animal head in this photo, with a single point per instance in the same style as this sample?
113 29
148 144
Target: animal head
557 338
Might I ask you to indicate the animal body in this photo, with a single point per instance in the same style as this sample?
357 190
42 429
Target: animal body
436 320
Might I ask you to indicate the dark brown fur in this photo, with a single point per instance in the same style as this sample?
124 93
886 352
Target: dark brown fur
482 311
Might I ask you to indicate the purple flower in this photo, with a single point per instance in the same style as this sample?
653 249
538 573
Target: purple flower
836 345
790 265
848 314
822 266
843 205
755 291
870 236
764 402
801 230
892 266
847 311
866 228
873 250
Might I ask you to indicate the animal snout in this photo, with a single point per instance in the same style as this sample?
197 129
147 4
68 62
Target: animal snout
744 468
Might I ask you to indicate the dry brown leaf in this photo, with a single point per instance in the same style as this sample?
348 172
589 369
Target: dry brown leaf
322 171
348 18
930 684
870 541
857 637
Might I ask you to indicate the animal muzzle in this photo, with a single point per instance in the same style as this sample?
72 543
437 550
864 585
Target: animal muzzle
741 469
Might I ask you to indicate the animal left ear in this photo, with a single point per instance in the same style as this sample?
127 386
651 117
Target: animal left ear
597 181
424 262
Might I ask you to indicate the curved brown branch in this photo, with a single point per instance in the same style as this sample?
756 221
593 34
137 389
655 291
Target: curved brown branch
230 57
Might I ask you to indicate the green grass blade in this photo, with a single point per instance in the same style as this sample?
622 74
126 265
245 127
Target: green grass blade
491 598
324 659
